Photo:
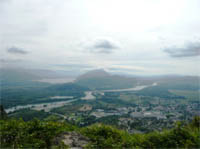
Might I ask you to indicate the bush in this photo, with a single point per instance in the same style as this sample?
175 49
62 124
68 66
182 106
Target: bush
32 134
39 134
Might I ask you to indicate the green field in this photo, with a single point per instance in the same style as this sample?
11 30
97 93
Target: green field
191 95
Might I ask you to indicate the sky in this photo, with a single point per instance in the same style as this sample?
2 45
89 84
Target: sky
136 37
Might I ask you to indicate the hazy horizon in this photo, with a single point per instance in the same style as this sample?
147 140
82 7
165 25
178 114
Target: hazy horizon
131 37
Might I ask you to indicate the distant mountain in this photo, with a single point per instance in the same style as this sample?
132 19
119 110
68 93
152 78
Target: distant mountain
28 74
100 79
16 75
11 77
98 73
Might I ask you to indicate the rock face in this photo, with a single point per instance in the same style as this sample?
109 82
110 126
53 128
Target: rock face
72 139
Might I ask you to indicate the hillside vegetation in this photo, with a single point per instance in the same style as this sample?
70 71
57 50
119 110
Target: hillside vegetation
41 134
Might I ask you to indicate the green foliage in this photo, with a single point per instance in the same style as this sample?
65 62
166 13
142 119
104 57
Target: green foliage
103 136
158 91
111 120
178 137
3 114
54 118
32 134
28 114
182 136
40 134
195 122
67 109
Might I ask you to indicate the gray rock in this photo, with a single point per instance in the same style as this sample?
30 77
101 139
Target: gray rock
72 139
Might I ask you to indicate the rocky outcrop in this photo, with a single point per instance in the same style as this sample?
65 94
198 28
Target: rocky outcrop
72 140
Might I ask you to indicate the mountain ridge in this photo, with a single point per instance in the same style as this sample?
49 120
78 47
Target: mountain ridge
93 74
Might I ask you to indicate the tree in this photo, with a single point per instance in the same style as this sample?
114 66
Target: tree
3 114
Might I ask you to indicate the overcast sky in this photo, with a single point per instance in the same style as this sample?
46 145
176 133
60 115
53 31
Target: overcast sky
141 37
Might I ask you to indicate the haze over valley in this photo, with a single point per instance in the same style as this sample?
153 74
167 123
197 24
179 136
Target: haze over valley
99 74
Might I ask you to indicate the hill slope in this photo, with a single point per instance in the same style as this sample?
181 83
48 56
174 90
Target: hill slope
48 134
100 79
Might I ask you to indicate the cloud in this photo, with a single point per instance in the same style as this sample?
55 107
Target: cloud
190 49
4 1
73 66
161 38
15 50
7 62
10 60
127 68
102 45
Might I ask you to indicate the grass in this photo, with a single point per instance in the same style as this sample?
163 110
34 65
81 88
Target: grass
129 98
191 95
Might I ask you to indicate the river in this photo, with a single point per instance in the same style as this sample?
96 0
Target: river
137 88
41 106
88 96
